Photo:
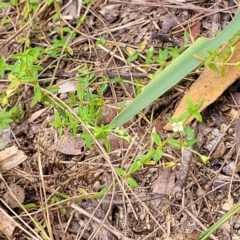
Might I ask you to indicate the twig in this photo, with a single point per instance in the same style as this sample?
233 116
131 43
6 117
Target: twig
182 174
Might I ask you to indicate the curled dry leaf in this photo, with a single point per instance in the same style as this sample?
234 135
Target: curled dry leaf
209 86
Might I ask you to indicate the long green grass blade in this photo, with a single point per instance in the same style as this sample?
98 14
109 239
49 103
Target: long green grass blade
235 209
176 71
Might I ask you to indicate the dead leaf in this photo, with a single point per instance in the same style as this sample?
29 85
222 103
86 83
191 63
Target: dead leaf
72 9
70 145
163 184
168 23
110 12
37 114
196 30
209 86
15 192
10 158
66 87
108 114
4 51
4 137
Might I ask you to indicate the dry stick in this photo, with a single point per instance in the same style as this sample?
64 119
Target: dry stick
182 174
149 197
178 6
46 212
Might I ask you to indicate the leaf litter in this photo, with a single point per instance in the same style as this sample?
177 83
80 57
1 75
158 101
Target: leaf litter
122 212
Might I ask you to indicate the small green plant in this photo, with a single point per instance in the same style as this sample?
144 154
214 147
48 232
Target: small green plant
218 59
57 199
182 137
4 119
163 58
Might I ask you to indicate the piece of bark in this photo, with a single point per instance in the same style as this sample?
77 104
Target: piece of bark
177 191
10 158
8 226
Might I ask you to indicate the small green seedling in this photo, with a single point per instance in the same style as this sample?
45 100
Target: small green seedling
182 137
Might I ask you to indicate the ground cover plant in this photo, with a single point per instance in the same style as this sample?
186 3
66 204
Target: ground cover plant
88 164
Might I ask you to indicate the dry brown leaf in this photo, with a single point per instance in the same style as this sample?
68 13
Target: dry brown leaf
168 23
72 9
4 51
196 30
66 87
70 145
4 137
163 184
37 114
10 158
18 193
209 86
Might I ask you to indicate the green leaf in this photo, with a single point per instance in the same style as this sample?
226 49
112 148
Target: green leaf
188 131
199 105
189 143
132 182
150 52
64 195
204 159
53 89
63 210
186 38
29 206
14 2
213 67
198 116
107 145
148 156
103 192
158 155
156 138
4 5
174 143
117 80
121 171
135 167
88 139
132 57
38 93
176 71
